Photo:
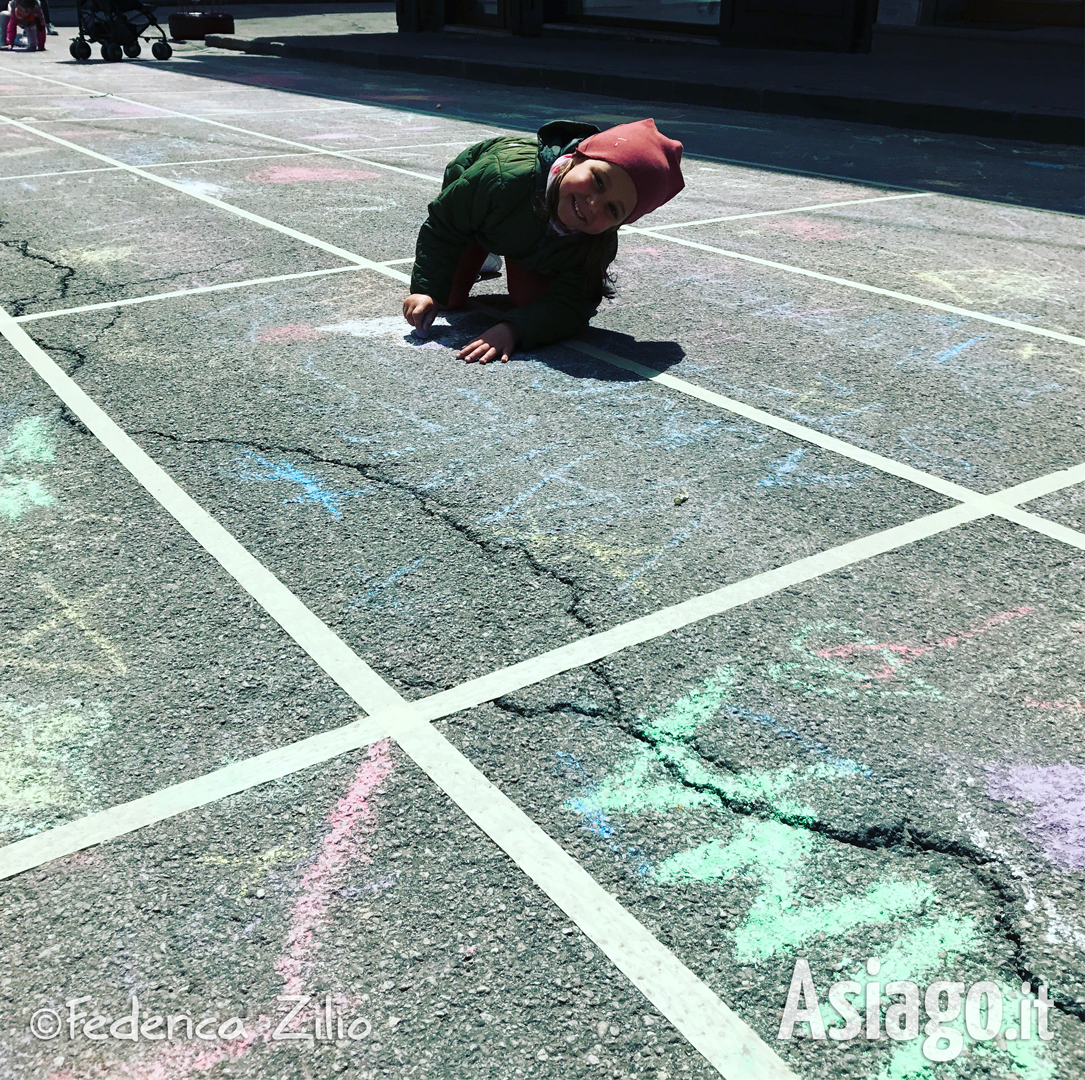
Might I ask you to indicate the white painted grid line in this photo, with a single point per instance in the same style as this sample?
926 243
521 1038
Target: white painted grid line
305 238
700 1015
794 210
862 286
935 483
246 157
732 1047
351 673
195 291
232 127
876 290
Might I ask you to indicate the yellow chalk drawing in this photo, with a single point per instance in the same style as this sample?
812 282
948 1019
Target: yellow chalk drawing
43 755
91 256
615 559
73 612
258 862
988 283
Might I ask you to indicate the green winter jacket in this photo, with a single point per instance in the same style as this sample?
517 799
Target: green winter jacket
489 195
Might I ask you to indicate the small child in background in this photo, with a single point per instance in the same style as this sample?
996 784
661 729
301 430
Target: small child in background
552 206
25 16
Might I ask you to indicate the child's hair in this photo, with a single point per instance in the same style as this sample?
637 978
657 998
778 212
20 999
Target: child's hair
597 280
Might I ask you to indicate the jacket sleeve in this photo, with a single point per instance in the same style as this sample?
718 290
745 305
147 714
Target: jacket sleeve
455 218
42 31
563 312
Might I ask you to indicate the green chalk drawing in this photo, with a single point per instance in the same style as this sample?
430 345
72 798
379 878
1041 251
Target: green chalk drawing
776 922
641 784
19 494
43 755
665 773
688 713
30 441
915 957
827 677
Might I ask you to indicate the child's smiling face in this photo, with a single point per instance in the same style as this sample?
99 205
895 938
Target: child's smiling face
595 196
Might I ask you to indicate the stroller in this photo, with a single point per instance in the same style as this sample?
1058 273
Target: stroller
118 25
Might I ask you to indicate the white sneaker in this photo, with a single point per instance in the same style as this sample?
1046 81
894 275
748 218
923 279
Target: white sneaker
491 268
50 31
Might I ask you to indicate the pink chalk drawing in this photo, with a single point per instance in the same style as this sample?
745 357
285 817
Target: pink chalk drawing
805 229
351 819
898 653
297 174
1057 793
1074 708
273 335
645 250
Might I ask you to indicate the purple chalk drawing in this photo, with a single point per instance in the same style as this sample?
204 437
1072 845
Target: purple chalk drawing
1057 792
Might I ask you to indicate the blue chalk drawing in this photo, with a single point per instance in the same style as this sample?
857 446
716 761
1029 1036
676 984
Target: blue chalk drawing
380 595
594 818
556 475
842 765
286 472
785 474
1050 165
955 350
831 423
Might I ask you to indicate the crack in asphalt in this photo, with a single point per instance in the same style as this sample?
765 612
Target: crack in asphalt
901 836
22 247
496 550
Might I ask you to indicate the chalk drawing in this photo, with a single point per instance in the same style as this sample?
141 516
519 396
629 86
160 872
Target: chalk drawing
44 751
1057 795
785 474
383 595
977 284
897 653
955 350
275 335
31 441
778 921
822 672
296 174
552 476
95 256
805 229
919 932
1073 707
285 472
203 187
594 818
258 864
73 612
351 821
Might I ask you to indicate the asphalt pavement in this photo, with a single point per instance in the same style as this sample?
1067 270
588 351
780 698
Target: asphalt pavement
545 719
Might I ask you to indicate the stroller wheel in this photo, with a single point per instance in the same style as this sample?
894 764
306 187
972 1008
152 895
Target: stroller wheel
111 51
133 50
80 49
161 50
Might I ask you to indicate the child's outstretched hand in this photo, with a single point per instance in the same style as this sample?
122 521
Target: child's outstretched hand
420 311
498 343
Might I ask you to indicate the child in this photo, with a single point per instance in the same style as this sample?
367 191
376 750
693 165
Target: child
552 207
25 15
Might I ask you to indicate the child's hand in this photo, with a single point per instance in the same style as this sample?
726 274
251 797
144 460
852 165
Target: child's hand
420 311
498 343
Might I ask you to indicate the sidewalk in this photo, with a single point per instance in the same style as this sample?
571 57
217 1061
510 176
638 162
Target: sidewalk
972 93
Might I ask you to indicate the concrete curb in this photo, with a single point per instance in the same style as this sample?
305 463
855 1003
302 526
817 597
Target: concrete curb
924 116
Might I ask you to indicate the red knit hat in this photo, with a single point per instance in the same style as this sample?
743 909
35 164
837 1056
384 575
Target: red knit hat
653 161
